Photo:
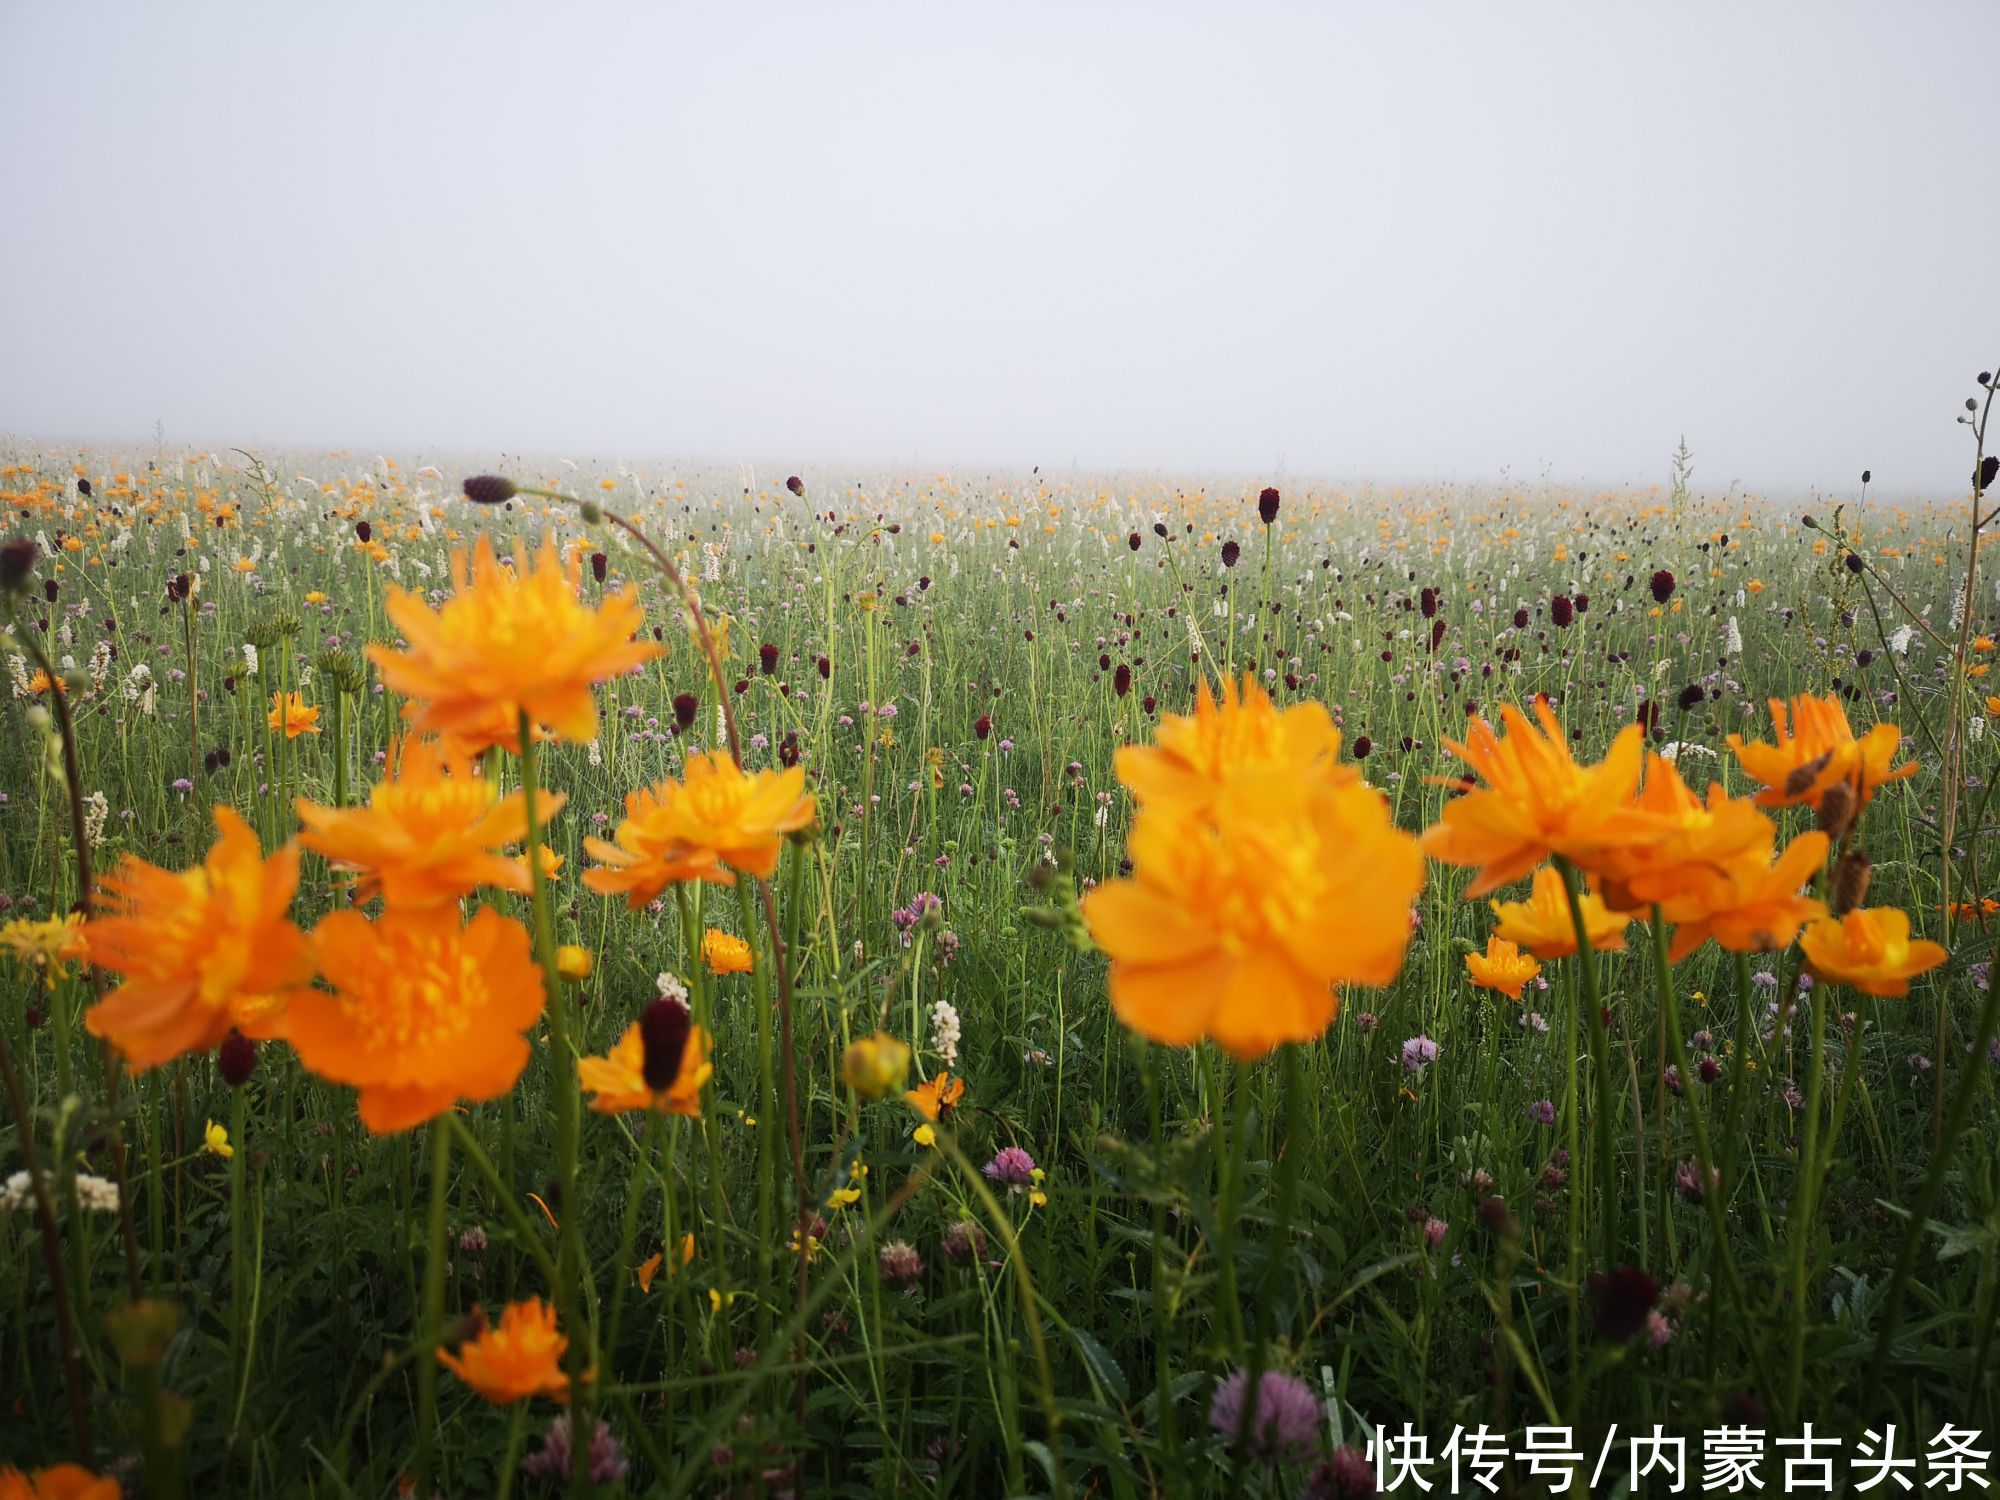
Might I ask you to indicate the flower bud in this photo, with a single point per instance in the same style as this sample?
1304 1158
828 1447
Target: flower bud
1267 506
490 489
592 513
1850 880
796 485
236 1059
663 1031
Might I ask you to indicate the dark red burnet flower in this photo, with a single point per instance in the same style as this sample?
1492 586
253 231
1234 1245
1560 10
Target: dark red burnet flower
1267 505
1134 540
825 666
1520 619
489 489
1121 680
1562 610
236 1059
598 564
663 1032
363 530
1691 696
1620 1300
1427 601
796 485
983 725
684 706
17 563
1362 745
767 658
1230 552
1662 586
788 749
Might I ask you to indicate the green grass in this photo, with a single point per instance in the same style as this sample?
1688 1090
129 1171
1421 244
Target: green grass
941 1388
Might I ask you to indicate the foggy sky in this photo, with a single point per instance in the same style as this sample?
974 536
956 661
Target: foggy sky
1393 241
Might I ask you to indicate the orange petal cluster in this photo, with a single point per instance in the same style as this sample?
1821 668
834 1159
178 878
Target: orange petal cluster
1265 874
292 717
428 834
717 821
511 641
1544 926
1815 749
1871 950
519 1358
618 1079
201 952
1502 967
423 1012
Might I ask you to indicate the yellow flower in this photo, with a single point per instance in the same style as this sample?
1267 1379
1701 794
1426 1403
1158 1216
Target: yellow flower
1193 757
725 953
875 1065
1537 800
293 716
1871 950
45 946
573 963
924 1135
520 1358
215 1140
315 597
511 641
201 951
1544 927
1816 750
621 1079
550 861
1502 967
1242 917
427 836
717 821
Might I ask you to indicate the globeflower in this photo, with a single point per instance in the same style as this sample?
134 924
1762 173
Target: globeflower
1680 844
428 836
1752 905
875 1065
1193 757
659 1064
201 952
511 641
1502 967
725 953
1537 800
61 1482
520 1358
716 822
937 1097
1816 750
1871 950
45 946
422 1013
1247 907
1544 926
292 716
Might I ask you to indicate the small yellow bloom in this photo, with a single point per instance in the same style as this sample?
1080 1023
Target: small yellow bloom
866 603
1754 586
315 597
725 953
1503 967
845 1197
216 1140
573 962
924 1135
875 1065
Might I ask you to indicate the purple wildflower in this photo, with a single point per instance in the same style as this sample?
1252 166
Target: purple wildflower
1286 1420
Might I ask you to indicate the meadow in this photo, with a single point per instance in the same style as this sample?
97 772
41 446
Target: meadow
874 983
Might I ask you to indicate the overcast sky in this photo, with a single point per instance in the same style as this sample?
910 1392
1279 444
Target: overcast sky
1391 241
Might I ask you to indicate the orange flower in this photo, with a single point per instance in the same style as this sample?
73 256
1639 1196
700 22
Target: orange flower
202 951
1193 757
1501 967
1816 750
1242 917
511 641
937 1097
521 1358
426 837
1544 927
1751 905
1686 844
618 1079
717 821
550 861
725 953
1871 950
424 1012
1537 800
63 1482
293 716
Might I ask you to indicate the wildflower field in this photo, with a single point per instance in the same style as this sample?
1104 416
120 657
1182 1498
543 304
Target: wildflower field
682 983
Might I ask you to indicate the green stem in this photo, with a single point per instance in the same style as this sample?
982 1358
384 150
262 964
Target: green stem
427 1364
1603 1167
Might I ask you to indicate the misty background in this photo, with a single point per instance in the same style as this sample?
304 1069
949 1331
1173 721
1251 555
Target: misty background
1457 242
